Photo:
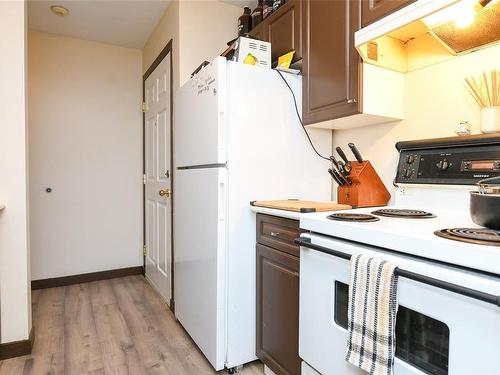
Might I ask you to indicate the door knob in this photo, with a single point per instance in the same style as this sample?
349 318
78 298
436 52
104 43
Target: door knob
165 193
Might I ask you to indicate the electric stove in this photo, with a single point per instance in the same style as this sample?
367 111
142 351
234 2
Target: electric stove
429 216
448 268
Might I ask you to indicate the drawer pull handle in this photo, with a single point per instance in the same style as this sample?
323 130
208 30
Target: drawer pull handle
274 234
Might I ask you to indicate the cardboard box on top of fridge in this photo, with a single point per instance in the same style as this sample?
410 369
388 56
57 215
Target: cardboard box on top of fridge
253 52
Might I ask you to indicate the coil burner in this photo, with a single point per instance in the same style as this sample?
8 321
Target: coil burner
403 213
362 218
478 236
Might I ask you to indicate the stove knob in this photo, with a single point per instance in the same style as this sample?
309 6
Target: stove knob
443 165
410 159
408 173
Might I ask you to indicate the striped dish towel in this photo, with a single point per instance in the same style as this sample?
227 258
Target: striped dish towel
372 315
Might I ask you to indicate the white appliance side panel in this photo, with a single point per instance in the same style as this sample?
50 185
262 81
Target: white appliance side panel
199 113
199 258
268 158
308 370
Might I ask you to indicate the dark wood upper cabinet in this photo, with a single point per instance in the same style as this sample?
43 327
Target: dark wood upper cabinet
373 10
278 310
331 66
259 32
283 30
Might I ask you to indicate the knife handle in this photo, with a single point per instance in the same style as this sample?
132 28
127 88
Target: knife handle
342 175
334 176
334 160
355 152
337 164
342 155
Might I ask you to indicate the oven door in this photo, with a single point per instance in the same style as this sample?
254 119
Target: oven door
437 332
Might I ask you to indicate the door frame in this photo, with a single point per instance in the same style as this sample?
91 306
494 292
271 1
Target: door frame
164 52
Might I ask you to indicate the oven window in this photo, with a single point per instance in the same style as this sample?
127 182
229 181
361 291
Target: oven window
421 341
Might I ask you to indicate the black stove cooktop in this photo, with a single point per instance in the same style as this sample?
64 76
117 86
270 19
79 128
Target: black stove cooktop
403 213
480 236
361 218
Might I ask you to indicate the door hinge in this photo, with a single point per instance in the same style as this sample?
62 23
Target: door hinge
145 107
144 250
144 179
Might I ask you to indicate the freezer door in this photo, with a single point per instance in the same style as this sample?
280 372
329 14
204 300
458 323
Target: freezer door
199 258
199 118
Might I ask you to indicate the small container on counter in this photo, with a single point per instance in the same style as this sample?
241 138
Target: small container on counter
245 22
490 119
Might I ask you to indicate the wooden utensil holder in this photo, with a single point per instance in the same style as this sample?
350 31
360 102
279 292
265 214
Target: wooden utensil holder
367 189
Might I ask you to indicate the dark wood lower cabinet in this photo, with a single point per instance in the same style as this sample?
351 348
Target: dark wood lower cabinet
278 310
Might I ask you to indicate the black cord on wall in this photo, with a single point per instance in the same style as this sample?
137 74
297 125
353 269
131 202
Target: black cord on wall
300 119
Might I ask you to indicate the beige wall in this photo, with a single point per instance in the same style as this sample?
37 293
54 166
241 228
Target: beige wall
436 101
15 291
85 124
205 28
167 28
200 30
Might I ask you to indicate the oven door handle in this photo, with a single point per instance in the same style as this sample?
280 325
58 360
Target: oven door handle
459 289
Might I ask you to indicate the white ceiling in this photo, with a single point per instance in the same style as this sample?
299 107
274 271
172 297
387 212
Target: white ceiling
126 23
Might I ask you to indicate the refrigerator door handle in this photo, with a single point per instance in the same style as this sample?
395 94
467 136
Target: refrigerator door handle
202 166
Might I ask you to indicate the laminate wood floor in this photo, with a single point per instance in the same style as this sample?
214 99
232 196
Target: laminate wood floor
111 327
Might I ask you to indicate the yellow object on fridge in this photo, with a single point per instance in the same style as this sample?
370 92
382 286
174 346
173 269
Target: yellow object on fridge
250 60
285 60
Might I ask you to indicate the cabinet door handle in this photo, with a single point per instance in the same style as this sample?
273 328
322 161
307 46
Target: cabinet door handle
350 101
275 234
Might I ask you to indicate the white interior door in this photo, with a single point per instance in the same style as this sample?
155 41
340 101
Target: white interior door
158 200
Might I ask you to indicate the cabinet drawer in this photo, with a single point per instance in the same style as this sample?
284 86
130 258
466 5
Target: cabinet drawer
278 233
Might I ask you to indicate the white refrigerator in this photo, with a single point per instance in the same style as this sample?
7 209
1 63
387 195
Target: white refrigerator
237 138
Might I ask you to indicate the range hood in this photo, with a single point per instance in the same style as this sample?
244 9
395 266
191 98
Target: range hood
428 32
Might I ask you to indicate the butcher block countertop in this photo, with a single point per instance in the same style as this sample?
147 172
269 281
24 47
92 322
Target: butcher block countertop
280 213
294 209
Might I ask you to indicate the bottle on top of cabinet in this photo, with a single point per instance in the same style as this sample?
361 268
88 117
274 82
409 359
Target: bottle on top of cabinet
245 22
277 4
267 8
257 13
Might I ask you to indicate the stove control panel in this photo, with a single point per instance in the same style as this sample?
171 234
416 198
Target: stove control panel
454 164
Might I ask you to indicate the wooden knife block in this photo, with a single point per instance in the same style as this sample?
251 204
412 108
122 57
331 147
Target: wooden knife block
367 189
